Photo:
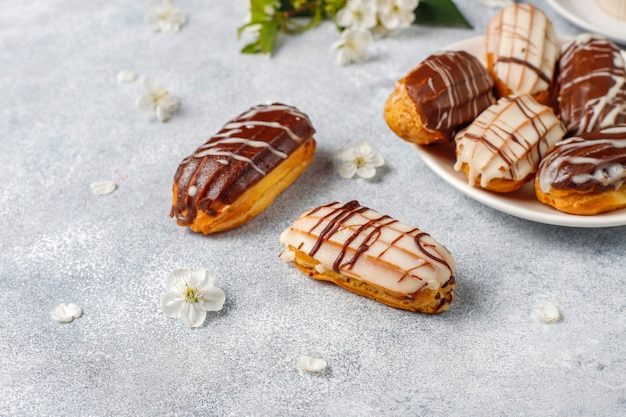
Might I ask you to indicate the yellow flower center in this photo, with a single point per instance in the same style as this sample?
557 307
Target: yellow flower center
359 161
189 290
191 294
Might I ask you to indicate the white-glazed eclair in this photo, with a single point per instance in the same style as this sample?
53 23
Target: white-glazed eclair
522 51
502 148
372 255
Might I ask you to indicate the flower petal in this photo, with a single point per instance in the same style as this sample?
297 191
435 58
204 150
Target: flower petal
65 313
126 76
146 83
183 274
311 363
169 103
103 187
162 114
145 104
203 278
192 314
345 154
366 171
375 159
171 304
212 299
347 169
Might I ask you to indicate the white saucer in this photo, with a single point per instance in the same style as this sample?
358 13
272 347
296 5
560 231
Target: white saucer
588 15
521 203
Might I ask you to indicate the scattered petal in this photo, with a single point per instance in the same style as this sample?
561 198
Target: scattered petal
360 159
546 312
103 187
127 76
65 313
311 363
191 293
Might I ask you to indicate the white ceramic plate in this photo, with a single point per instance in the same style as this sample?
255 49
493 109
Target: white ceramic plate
522 203
588 15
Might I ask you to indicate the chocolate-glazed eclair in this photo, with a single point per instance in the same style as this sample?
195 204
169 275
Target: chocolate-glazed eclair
522 51
372 255
585 174
438 97
501 149
592 84
239 171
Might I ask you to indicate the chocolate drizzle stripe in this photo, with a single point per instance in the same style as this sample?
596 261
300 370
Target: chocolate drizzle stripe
370 230
376 225
420 245
525 64
340 214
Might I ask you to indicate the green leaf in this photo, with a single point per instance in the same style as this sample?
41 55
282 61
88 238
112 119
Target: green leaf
440 13
267 37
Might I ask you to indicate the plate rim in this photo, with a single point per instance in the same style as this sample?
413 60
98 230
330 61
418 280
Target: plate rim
584 23
501 202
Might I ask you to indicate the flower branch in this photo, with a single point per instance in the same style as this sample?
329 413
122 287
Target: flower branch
269 18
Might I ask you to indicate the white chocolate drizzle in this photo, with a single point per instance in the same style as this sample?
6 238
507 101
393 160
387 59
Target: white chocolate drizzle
585 106
575 154
507 140
226 136
456 92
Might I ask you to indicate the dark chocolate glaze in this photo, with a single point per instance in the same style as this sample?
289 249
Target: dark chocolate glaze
245 150
450 90
592 93
597 157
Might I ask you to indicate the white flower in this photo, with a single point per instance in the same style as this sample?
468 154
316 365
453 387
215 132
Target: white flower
353 44
190 295
361 159
357 14
496 3
311 363
396 14
546 312
103 187
157 100
166 17
65 313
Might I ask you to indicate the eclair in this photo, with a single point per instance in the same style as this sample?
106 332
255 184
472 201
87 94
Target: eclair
592 84
240 170
501 149
372 255
522 51
585 174
438 97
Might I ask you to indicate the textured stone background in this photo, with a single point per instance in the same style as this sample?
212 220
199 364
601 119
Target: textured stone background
66 122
